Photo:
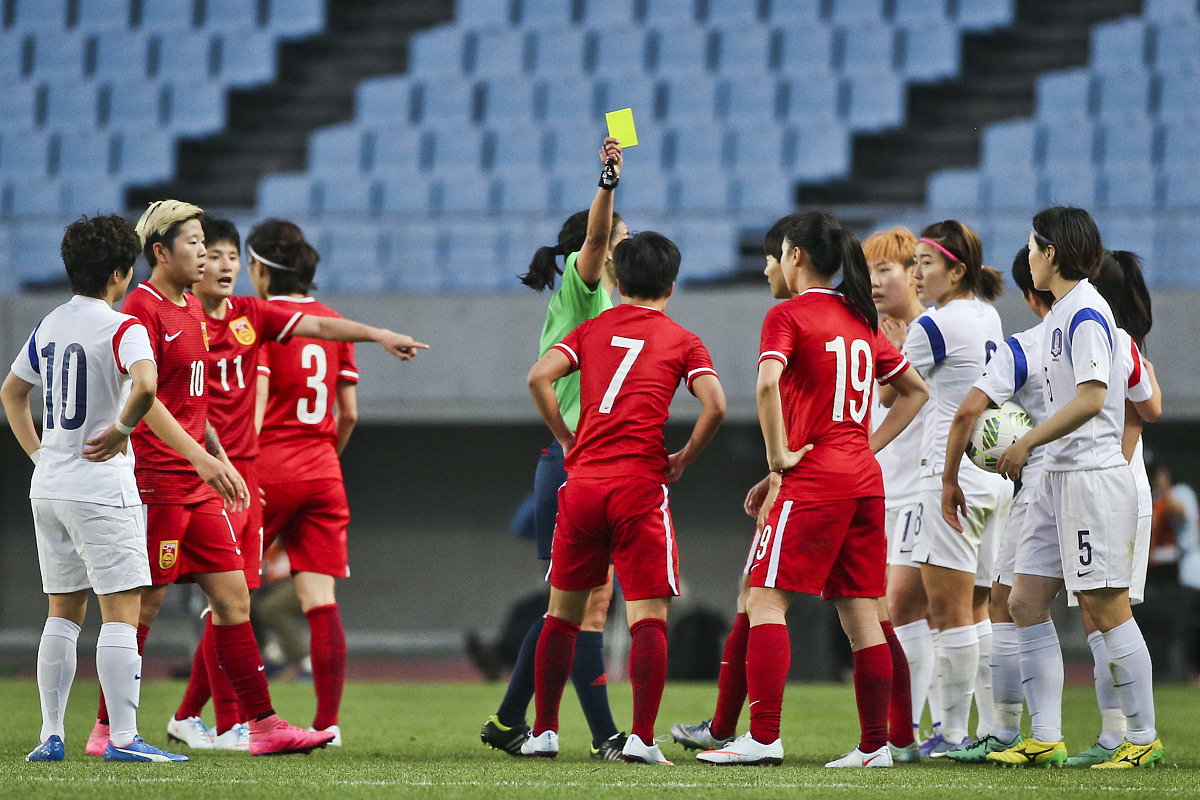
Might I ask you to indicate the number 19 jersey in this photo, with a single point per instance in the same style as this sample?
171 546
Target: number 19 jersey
298 441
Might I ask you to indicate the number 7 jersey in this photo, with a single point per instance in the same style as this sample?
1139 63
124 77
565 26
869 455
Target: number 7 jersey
298 440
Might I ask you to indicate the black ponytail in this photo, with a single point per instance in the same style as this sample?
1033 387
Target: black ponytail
856 278
544 269
1120 281
830 248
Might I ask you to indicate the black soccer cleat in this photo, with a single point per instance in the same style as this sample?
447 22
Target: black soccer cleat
497 736
611 748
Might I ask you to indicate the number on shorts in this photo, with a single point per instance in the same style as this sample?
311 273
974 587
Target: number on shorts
912 524
1085 549
634 346
313 357
763 541
848 370
79 409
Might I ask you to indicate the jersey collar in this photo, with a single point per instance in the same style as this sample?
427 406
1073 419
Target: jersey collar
81 300
285 299
821 290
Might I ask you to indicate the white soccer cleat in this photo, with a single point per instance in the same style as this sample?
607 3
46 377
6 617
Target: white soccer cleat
337 735
543 746
191 732
745 750
857 758
236 738
638 752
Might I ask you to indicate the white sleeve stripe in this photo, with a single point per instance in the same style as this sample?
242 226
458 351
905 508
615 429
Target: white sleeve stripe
571 354
287 329
348 373
264 370
698 370
773 354
899 368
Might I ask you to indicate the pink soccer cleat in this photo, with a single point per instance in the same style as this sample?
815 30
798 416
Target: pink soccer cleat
98 740
274 736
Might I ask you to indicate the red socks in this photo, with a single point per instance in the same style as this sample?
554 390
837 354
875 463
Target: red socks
225 700
197 693
555 654
731 685
900 711
647 673
768 659
872 691
142 632
328 662
237 653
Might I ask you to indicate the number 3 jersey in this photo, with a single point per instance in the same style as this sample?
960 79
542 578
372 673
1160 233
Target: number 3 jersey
298 440
831 359
80 354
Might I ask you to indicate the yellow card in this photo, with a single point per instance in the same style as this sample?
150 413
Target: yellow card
620 127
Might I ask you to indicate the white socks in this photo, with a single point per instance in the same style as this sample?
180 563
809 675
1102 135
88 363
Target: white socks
1042 679
56 672
120 668
1112 718
984 705
1006 681
959 662
917 642
1132 675
936 714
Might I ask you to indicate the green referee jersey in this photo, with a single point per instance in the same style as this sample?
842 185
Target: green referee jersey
572 304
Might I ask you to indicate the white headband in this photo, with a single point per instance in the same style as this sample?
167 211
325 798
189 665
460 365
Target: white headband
267 263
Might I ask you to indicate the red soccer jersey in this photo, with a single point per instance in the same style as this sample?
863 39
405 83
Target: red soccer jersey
831 359
299 434
180 345
233 351
631 360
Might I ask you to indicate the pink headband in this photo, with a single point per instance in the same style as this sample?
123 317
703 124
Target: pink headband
945 252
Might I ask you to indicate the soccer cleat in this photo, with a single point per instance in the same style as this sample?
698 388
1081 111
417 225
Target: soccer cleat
857 758
236 738
336 741
638 752
910 754
977 751
1031 753
697 737
50 750
1096 754
274 736
138 750
937 746
499 737
543 746
191 732
1131 756
745 750
610 749
97 740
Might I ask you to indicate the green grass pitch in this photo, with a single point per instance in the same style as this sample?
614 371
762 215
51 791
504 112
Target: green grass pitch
422 740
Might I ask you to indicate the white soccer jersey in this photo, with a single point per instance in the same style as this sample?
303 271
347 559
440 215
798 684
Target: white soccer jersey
1138 390
949 346
1079 347
1015 373
80 354
901 459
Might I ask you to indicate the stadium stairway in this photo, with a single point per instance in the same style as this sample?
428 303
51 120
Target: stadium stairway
269 126
944 120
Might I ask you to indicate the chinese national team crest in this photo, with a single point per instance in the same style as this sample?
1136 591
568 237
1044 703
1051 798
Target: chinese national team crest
204 333
243 331
1056 343
168 553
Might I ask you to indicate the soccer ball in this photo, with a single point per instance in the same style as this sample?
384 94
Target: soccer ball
995 430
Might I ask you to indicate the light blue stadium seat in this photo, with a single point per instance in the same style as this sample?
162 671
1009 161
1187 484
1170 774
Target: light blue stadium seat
36 258
508 100
1007 146
69 105
1131 232
84 154
18 107
33 15
765 194
686 99
977 15
168 15
1070 187
647 193
103 15
864 47
336 150
953 189
1177 265
192 109
64 197
284 195
1064 94
1016 189
442 101
743 51
132 103
232 15
436 52
1181 148
296 18
383 98
802 51
564 100
1177 48
1069 145
920 12
120 55
546 13
1119 46
1179 98
749 98
857 11
346 194
1124 95
559 53
571 190
790 12
707 248
633 93
814 98
245 58
679 52
819 150
466 194
930 52
1127 143
752 149
1129 186
390 152
615 52
733 12
481 13
675 12
182 56
876 101
456 151
57 55
602 13
407 195
24 155
419 258
142 156
12 66
524 195
1170 10
696 150
499 53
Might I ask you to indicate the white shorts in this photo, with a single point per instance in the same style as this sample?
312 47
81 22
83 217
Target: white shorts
1006 551
901 525
88 545
974 550
1141 560
1037 541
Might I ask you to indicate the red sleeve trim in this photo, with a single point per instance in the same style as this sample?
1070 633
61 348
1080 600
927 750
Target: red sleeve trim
569 353
884 380
116 342
775 354
286 333
1136 376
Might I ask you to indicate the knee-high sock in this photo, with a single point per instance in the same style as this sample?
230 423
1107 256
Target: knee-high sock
1112 718
937 711
872 691
768 659
1006 681
1042 680
590 678
328 662
731 685
119 665
1133 678
520 684
56 660
647 673
142 632
917 641
984 702
555 653
900 727
959 662
225 702
237 653
198 690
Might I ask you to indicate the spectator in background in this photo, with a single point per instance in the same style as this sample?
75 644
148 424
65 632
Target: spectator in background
1175 537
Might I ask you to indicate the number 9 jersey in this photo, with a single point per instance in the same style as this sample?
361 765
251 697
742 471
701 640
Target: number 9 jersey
298 440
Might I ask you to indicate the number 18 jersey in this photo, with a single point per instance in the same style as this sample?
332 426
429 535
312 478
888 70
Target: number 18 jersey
298 441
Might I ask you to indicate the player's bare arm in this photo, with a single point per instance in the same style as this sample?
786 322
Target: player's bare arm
15 396
708 391
911 394
594 254
780 458
262 391
545 372
756 496
953 500
337 329
216 473
144 380
1087 403
1150 410
346 409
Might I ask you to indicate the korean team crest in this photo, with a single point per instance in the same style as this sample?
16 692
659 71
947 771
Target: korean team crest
1056 343
168 553
243 331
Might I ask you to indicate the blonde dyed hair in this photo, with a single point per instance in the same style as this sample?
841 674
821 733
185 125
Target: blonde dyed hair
159 218
898 245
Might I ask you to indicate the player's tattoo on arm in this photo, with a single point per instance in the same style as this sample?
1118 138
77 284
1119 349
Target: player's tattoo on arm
212 442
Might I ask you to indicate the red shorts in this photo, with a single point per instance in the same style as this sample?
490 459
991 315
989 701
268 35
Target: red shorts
311 516
834 548
248 523
623 520
196 538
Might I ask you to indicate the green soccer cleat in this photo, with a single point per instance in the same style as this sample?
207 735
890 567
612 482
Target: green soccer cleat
910 754
1131 756
1096 754
977 751
1031 753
